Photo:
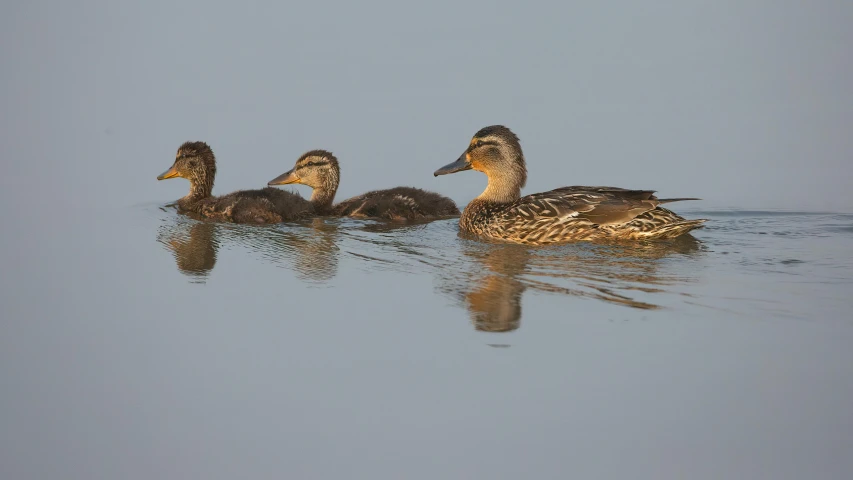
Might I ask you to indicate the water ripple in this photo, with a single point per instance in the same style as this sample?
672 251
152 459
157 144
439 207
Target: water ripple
490 279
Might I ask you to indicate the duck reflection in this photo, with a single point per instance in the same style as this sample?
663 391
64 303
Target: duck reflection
308 248
194 246
494 301
487 279
317 253
492 287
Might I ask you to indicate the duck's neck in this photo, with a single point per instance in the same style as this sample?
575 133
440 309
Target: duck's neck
200 188
502 188
506 179
323 196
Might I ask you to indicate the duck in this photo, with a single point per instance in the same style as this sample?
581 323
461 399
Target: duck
566 214
196 162
320 170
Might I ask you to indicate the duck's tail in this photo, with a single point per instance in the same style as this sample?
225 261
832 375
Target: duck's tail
670 200
676 229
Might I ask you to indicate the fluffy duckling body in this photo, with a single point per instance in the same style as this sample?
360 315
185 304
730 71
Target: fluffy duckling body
319 170
561 215
195 162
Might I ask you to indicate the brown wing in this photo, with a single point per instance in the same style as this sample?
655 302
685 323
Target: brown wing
598 205
615 192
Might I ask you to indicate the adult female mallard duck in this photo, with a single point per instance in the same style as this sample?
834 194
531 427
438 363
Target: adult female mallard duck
319 170
195 162
561 215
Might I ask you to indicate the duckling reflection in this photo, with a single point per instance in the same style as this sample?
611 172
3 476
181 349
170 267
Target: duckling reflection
317 252
491 290
194 246
309 248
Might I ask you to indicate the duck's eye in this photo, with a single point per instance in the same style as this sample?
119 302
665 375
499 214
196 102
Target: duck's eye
309 164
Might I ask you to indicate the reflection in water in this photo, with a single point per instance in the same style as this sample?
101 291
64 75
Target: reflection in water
309 248
317 257
488 279
602 270
194 246
491 289
494 302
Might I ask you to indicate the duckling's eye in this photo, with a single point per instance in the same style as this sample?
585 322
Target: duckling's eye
310 164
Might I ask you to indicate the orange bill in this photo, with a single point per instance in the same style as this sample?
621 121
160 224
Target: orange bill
285 178
170 173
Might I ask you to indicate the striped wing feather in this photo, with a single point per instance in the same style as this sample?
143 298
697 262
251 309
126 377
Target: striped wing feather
598 205
577 213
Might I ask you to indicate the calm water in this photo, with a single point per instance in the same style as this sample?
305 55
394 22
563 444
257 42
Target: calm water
137 344
150 345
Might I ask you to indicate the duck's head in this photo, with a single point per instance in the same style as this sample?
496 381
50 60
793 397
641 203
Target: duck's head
495 151
318 169
193 161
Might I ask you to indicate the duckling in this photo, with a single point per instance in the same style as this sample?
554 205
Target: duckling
319 170
561 215
195 162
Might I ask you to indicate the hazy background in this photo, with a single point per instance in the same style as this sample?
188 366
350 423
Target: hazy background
741 103
334 351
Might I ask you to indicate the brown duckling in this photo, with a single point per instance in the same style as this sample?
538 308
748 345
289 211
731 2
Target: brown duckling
319 170
195 162
561 215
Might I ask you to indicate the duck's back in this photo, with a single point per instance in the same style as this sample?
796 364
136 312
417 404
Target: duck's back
400 203
576 213
268 205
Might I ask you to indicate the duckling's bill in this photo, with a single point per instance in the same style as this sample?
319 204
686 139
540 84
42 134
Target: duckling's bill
170 173
284 178
459 165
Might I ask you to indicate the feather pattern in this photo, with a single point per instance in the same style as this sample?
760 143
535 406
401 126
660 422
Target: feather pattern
196 162
399 203
320 170
268 205
575 213
561 215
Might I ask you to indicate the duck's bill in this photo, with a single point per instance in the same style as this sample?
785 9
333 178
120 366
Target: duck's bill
457 166
170 173
284 179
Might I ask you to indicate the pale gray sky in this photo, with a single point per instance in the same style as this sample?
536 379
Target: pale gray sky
114 365
742 103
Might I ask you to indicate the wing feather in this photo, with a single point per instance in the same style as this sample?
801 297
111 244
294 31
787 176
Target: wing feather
597 205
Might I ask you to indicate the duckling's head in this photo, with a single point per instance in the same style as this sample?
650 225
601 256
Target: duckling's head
495 151
318 169
195 162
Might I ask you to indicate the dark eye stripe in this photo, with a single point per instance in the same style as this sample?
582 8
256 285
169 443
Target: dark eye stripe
481 143
313 164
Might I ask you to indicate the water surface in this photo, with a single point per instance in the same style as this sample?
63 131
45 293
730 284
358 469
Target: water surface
138 344
152 345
